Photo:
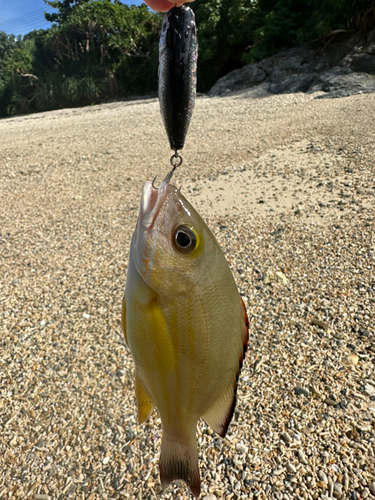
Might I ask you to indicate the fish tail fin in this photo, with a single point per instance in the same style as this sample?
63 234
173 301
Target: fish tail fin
179 460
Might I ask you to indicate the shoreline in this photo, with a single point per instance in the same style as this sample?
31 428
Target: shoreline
70 186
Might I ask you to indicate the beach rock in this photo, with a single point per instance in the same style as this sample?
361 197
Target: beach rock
238 79
343 66
341 82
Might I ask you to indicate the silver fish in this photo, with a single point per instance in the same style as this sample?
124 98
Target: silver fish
178 53
185 325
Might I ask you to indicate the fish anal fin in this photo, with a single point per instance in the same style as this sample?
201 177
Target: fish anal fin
123 321
244 331
179 460
219 415
144 403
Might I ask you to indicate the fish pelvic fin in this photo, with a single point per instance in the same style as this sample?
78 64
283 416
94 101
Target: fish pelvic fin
179 460
144 403
220 414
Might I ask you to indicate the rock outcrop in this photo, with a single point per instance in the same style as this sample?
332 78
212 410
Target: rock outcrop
340 66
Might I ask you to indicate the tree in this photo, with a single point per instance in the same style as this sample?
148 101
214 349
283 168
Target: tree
65 7
16 56
96 42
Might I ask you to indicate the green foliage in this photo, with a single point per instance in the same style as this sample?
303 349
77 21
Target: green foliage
66 8
102 49
95 50
105 43
16 58
237 32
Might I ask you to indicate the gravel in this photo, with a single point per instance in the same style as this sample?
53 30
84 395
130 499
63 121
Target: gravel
70 184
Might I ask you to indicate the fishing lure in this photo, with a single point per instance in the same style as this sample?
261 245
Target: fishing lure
178 53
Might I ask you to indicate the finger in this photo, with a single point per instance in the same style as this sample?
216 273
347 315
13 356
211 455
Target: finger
160 5
164 5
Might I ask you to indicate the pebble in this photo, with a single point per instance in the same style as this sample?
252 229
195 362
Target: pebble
302 457
371 487
322 475
365 493
338 488
370 389
331 402
290 468
241 448
286 437
277 472
353 359
275 277
346 480
301 391
67 384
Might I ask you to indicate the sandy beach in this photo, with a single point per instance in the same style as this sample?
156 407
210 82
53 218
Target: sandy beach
287 185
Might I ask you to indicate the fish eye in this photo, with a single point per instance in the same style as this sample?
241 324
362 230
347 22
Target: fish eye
185 239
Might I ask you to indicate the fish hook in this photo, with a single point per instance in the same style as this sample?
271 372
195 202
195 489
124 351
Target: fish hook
153 182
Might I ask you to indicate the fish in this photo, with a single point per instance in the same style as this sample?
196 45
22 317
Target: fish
178 54
185 325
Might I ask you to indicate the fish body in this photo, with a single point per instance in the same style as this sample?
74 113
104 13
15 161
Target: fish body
185 325
178 52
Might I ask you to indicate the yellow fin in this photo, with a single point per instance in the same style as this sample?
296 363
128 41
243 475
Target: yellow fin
144 403
123 320
219 415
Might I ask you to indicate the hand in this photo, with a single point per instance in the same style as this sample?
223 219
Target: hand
164 5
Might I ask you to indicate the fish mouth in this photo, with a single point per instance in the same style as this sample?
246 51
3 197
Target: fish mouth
152 200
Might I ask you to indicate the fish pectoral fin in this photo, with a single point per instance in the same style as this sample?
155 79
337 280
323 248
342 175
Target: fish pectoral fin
219 415
123 321
144 403
179 460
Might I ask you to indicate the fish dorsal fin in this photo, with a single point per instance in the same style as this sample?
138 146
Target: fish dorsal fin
219 415
144 403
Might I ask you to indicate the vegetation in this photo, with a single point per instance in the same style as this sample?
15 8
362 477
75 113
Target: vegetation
97 50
